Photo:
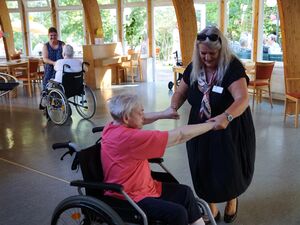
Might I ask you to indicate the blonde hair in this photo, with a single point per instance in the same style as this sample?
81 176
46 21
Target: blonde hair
123 105
225 54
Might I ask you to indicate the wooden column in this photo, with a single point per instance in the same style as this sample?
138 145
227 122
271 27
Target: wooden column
255 30
5 23
222 16
53 14
26 33
150 28
186 19
290 32
93 18
120 21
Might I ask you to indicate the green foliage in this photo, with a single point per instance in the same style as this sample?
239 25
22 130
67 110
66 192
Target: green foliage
165 24
109 25
212 12
135 27
240 18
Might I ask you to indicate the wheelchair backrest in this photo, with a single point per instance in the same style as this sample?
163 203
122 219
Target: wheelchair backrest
91 167
73 83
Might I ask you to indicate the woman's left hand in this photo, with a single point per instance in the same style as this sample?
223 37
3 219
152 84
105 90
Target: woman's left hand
220 121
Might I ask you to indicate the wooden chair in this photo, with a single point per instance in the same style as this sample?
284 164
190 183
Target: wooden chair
29 74
261 81
292 99
15 56
133 65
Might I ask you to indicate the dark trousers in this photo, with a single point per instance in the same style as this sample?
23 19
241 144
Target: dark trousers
176 205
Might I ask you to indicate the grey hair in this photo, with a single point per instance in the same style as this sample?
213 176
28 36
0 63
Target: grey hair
68 51
122 105
225 54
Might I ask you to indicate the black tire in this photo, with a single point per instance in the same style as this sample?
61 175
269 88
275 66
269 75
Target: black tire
86 103
170 85
84 210
57 106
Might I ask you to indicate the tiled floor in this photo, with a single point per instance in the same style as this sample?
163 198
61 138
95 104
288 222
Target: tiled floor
33 179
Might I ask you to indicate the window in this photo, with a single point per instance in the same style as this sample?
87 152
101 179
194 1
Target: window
17 31
68 2
37 3
206 14
135 26
239 27
271 32
12 4
71 27
166 34
39 22
109 23
105 2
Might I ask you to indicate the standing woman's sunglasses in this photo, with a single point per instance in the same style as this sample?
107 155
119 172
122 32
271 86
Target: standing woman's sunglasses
211 37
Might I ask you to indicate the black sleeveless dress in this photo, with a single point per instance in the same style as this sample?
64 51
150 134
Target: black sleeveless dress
221 162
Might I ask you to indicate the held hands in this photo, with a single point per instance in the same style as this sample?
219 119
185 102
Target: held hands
170 113
220 121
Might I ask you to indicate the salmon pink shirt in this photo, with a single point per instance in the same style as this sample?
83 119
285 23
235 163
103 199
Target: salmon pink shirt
124 155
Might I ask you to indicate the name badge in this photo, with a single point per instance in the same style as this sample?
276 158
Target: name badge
217 89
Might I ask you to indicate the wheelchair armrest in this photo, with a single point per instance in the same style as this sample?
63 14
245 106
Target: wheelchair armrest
156 160
97 129
97 185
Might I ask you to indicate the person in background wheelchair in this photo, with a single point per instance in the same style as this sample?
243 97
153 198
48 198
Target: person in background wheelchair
75 65
126 149
68 87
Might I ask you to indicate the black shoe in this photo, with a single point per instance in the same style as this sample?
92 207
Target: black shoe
231 218
217 218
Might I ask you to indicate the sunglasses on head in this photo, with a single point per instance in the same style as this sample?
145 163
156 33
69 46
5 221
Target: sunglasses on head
211 37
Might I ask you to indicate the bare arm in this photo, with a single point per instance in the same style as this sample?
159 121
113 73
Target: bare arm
187 132
239 92
179 96
166 114
45 56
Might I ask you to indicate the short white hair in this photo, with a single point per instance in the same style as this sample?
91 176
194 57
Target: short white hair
68 51
123 105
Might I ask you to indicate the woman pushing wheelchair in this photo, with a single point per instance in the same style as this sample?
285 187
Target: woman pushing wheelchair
126 149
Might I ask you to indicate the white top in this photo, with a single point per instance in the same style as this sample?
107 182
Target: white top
75 64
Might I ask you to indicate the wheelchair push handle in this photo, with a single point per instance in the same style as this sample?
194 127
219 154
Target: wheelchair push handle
97 129
69 145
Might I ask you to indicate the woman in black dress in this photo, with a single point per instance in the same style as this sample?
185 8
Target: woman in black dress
215 85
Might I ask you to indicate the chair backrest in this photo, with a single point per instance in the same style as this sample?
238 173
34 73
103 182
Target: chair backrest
73 83
33 65
91 167
263 70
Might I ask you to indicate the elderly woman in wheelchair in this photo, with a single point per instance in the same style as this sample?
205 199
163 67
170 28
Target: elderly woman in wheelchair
124 156
68 82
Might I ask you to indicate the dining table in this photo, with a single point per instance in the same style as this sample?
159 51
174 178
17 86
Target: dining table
11 65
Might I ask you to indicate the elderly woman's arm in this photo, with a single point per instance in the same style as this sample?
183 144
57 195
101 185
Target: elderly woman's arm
239 92
187 132
150 117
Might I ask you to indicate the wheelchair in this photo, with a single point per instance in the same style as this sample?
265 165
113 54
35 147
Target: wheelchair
95 208
57 97
7 83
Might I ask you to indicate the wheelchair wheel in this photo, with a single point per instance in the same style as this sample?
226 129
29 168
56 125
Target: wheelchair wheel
86 103
84 210
57 106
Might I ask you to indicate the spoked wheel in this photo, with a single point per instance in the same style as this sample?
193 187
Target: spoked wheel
84 210
57 106
86 103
